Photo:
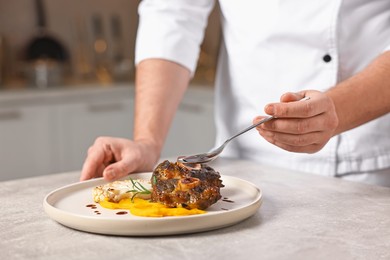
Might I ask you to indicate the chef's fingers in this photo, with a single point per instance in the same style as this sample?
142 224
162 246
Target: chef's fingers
257 120
311 148
292 97
99 156
317 104
91 164
108 154
308 143
119 169
322 122
99 170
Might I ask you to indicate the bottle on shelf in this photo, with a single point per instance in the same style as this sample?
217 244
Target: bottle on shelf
100 47
122 67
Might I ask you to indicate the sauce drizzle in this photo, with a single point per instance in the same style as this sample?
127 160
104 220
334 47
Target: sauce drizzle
121 213
226 200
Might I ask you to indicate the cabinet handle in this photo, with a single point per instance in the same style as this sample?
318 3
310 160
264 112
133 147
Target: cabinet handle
10 115
192 108
96 108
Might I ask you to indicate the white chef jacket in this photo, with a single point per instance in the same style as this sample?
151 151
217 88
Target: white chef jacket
272 47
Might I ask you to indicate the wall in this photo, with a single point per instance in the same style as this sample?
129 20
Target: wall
70 22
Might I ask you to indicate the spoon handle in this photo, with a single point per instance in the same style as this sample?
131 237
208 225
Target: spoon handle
259 123
251 127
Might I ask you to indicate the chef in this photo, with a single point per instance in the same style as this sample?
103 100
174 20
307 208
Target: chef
272 55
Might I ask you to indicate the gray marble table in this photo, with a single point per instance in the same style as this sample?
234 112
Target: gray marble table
303 216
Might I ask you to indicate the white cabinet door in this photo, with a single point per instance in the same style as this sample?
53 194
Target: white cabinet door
25 142
81 123
192 131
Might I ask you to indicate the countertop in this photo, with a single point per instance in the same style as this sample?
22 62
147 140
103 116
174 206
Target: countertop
87 92
303 216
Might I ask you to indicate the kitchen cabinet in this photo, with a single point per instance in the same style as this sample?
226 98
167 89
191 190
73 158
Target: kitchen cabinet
193 129
80 124
49 131
25 141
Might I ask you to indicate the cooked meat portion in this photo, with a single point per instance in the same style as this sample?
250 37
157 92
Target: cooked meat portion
176 185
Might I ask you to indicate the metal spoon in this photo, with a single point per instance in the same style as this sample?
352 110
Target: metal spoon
208 157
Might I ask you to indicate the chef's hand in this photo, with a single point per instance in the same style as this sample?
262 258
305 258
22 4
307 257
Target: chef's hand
114 158
303 127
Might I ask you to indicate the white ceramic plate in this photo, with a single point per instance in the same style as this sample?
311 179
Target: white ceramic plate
68 206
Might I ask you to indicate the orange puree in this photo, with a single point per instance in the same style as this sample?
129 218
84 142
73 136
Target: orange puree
145 208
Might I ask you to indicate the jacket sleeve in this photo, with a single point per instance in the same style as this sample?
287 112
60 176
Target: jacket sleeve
172 30
386 49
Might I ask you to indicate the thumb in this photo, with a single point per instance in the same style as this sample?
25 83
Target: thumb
117 170
291 97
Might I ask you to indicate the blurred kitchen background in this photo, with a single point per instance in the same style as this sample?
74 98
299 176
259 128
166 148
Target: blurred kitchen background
67 76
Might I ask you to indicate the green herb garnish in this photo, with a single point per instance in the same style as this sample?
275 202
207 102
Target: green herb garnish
138 188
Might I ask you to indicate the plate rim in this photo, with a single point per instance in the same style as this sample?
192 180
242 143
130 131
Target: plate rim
249 208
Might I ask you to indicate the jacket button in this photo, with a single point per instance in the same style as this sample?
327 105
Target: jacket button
327 58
